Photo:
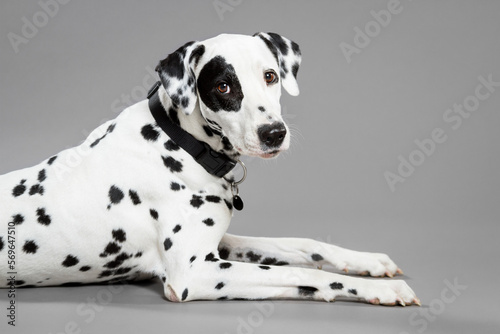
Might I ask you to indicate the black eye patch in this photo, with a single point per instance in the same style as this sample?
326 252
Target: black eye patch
214 72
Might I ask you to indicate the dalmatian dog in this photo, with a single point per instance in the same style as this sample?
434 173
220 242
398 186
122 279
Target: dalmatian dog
131 203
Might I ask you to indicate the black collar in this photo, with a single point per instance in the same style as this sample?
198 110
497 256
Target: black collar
217 164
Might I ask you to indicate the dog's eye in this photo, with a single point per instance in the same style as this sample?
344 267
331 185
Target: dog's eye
270 77
223 88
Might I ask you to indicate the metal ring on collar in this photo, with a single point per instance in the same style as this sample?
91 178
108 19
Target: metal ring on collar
236 183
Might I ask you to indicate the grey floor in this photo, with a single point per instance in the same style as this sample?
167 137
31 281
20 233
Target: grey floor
355 116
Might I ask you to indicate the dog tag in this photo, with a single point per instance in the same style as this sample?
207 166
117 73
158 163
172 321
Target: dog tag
237 203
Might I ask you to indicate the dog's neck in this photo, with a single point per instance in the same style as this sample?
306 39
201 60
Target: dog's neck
197 125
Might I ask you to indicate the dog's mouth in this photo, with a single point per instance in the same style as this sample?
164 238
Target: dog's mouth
270 155
257 152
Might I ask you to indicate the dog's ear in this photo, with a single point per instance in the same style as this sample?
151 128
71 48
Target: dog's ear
177 75
288 56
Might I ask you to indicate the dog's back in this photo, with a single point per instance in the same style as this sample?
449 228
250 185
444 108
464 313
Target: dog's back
60 217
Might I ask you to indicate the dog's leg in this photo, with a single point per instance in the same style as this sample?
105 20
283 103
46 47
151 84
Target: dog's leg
304 252
213 279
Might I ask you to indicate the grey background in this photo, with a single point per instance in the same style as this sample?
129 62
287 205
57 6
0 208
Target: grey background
351 122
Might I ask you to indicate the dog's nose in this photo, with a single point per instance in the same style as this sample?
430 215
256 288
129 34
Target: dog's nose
272 135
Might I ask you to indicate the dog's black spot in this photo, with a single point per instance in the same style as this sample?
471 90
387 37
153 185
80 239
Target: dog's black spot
253 257
17 219
175 186
216 132
111 128
19 283
97 141
295 70
134 196
149 132
265 267
225 265
196 54
51 160
192 259
211 257
115 195
336 286
184 102
353 291
224 253
208 131
122 271
105 273
42 175
190 83
196 201
174 117
111 248
219 286
85 268
119 235
171 146
239 255
279 42
222 298
163 279
269 260
153 214
215 71
283 70
184 294
307 291
296 49
209 222
118 261
43 218
172 164
36 189
261 108
227 144
213 199
167 244
177 228
138 254
19 189
214 124
70 261
281 263
317 257
228 204
1 243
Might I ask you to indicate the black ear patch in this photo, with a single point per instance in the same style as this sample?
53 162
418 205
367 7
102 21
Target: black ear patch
279 42
217 71
196 54
173 65
177 75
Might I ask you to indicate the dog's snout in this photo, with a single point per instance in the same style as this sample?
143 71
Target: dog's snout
272 135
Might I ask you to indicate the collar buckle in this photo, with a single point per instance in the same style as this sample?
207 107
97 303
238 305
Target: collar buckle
215 163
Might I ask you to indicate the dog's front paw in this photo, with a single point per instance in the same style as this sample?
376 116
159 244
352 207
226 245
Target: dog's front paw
363 263
390 293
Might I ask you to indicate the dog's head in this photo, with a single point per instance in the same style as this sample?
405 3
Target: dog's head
235 81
